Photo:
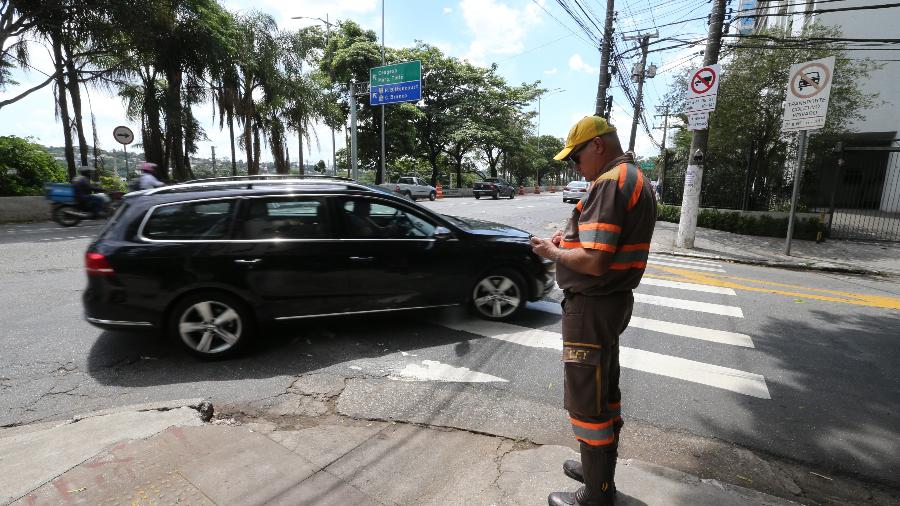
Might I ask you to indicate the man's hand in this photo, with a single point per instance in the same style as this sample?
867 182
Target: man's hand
545 248
557 238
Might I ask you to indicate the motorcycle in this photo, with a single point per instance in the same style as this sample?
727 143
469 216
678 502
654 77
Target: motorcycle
68 212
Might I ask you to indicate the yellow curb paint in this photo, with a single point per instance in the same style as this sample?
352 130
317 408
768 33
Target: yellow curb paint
794 291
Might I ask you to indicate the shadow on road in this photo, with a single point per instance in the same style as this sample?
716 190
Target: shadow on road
816 415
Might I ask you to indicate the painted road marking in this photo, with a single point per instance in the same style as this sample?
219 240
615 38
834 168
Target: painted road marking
680 260
690 260
787 290
432 370
725 378
690 305
647 280
664 327
686 266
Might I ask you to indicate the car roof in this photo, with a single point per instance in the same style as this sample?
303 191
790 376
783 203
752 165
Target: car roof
253 185
578 182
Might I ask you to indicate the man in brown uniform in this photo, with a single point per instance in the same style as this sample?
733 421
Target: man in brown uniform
600 259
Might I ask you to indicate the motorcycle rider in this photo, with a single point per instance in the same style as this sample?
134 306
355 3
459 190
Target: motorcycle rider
147 179
85 192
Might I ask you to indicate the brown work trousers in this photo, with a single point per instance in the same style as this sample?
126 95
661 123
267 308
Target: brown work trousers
591 326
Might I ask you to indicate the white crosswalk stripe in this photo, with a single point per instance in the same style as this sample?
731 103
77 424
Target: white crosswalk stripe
669 263
690 305
686 260
664 327
687 286
711 375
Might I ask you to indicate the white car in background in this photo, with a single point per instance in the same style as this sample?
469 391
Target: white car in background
574 191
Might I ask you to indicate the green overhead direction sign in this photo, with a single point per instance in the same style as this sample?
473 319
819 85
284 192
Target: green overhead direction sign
400 82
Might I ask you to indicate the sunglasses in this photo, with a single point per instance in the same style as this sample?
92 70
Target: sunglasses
576 154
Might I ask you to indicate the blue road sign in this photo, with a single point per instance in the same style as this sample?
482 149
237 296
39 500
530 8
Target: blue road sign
394 93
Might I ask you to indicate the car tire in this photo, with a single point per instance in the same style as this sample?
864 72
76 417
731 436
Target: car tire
477 196
495 195
432 196
512 195
212 325
409 195
498 294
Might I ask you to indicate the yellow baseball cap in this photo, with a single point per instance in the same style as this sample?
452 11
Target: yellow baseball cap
583 131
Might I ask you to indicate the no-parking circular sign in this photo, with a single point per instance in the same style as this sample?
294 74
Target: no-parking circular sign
703 88
808 93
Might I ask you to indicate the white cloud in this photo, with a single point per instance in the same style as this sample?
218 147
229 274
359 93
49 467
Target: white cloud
497 28
551 72
447 10
577 64
334 9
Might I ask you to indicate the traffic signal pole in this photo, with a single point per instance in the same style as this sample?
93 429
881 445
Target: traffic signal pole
693 177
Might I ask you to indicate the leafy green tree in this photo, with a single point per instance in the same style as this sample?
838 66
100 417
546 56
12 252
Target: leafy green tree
25 167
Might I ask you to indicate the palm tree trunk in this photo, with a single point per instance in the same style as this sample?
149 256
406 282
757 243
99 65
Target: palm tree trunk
174 122
300 151
62 102
256 150
75 93
231 137
154 149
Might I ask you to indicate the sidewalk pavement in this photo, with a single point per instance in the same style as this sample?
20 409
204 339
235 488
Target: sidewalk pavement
853 257
164 453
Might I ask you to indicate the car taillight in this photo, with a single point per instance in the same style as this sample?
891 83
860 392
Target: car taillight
493 187
568 189
97 265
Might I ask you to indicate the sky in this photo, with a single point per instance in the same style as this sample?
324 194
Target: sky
529 40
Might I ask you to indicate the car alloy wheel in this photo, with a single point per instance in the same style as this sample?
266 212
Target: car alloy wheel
496 195
498 295
432 196
211 325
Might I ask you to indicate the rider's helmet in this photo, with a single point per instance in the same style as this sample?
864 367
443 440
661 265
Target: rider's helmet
148 167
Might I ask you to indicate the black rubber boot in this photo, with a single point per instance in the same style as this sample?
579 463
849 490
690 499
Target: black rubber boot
597 469
572 469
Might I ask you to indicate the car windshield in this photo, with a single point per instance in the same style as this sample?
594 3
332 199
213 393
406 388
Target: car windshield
492 180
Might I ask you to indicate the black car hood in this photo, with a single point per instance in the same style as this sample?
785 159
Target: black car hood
481 227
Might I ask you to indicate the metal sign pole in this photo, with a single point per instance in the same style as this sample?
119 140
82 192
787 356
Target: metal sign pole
380 177
798 172
125 150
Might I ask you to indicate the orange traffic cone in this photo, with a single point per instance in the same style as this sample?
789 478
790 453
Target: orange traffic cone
521 190
537 189
440 192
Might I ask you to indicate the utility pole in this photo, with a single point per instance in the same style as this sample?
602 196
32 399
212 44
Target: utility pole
639 74
379 176
693 177
213 159
665 156
605 49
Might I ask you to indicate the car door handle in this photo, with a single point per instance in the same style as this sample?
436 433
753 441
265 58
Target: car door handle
251 261
362 259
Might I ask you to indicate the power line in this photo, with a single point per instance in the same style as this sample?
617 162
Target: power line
570 30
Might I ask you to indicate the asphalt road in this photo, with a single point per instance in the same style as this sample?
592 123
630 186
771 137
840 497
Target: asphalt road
800 365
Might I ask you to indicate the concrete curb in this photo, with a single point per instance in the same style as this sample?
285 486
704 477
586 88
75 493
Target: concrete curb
798 266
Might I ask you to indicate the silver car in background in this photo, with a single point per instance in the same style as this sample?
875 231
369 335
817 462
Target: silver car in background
574 191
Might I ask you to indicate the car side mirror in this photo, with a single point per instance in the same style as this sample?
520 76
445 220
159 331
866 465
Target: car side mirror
442 233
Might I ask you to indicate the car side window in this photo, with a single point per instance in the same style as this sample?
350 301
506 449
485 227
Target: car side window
190 221
285 218
368 219
405 180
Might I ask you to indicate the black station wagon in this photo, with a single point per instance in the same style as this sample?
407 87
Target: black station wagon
207 261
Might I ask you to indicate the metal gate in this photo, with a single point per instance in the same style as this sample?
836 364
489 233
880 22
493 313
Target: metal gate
865 200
